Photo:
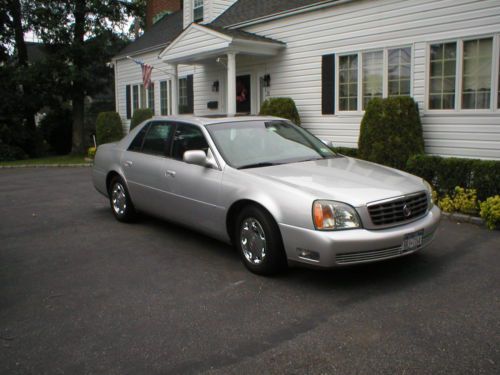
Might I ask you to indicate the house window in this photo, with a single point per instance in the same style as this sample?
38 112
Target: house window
476 77
135 97
366 75
348 83
460 75
165 98
373 72
197 10
183 94
151 96
443 62
399 71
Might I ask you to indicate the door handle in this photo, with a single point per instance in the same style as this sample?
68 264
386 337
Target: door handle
169 173
127 163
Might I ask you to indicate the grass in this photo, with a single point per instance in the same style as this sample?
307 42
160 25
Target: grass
51 160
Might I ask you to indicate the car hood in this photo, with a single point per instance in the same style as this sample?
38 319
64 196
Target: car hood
344 179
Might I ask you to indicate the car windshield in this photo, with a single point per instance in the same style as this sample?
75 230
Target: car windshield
252 144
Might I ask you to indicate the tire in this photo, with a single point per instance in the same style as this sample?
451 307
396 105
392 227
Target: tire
258 240
120 202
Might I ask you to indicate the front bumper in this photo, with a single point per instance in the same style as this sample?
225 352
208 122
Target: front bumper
355 246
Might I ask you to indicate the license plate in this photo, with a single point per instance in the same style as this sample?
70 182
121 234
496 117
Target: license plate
412 241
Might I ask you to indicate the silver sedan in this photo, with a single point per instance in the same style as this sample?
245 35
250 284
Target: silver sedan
272 189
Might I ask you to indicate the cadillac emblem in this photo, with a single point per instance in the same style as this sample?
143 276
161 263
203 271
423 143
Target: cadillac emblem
406 211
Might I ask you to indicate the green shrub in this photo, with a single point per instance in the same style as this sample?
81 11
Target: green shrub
444 174
56 128
108 127
490 211
91 152
347 151
11 153
391 131
140 115
462 200
281 107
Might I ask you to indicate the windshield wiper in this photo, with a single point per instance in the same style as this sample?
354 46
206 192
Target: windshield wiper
258 165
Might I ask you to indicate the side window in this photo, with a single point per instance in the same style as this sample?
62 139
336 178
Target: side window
186 138
136 144
157 139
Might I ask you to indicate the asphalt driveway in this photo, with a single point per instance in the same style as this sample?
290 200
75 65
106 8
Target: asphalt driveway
81 293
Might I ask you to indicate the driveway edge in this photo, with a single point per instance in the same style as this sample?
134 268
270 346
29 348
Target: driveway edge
462 218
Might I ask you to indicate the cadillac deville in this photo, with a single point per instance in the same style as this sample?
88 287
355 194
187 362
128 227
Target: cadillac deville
271 188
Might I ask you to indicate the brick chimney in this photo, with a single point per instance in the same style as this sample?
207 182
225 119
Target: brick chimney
156 8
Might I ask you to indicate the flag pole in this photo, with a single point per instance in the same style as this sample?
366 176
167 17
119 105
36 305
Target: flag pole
154 67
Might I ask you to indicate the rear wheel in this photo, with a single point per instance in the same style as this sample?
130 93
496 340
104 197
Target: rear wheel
258 241
120 201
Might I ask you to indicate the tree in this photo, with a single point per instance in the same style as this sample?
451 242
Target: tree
81 30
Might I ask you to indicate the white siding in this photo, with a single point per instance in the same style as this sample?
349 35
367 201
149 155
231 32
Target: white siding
361 25
129 73
218 7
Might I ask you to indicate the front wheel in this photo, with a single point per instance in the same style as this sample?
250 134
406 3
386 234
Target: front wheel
258 241
120 201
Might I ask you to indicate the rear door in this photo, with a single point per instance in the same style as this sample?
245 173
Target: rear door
143 165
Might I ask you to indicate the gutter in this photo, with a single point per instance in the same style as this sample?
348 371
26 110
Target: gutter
287 13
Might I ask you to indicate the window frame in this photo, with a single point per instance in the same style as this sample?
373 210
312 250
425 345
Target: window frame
495 76
168 105
385 75
194 7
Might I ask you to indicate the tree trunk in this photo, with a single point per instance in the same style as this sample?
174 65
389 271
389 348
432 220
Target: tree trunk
78 90
22 52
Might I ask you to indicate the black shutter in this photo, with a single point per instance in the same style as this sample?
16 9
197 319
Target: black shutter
128 102
190 93
328 84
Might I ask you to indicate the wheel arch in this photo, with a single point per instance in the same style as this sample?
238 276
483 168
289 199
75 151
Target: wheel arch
236 208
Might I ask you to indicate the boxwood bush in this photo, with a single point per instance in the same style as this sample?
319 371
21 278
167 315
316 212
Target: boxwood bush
140 115
108 127
445 174
391 131
281 107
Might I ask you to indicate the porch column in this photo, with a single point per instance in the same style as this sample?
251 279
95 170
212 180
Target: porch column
231 83
175 92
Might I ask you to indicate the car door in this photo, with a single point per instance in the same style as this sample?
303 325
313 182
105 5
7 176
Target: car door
144 164
196 189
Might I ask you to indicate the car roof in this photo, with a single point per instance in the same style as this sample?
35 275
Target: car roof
214 119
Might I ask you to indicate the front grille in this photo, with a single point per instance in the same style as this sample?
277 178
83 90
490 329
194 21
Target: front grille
398 209
364 256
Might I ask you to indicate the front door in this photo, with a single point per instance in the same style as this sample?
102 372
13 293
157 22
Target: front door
243 94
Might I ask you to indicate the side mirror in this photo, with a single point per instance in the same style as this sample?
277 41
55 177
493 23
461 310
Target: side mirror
198 157
328 143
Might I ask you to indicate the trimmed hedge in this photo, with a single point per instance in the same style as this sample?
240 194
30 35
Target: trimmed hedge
281 107
447 173
56 128
140 115
108 127
391 131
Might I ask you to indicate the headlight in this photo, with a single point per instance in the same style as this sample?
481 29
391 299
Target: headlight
429 191
331 215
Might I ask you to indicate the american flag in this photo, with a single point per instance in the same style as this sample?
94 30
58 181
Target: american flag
146 75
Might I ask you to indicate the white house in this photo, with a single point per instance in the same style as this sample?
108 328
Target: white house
331 57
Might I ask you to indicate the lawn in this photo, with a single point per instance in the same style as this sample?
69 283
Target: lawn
52 160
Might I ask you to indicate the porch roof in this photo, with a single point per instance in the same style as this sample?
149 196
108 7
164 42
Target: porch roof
200 42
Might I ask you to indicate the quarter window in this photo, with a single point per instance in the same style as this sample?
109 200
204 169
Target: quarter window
443 62
348 83
476 81
373 71
399 71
